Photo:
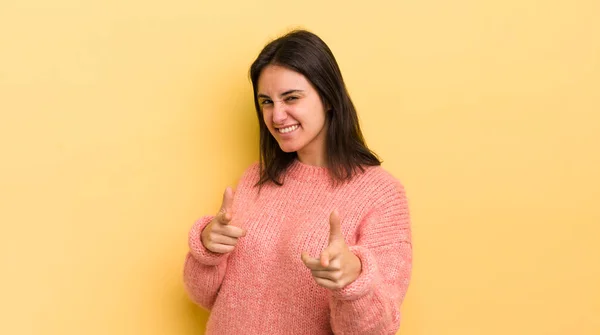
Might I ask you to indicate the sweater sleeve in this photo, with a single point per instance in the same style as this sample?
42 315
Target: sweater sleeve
204 270
371 304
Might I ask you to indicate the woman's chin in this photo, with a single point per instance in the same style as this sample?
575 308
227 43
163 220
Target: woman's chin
288 148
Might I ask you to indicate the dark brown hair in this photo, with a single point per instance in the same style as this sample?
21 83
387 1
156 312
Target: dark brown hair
305 53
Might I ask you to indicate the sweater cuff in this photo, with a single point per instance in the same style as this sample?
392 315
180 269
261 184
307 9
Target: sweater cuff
364 282
197 249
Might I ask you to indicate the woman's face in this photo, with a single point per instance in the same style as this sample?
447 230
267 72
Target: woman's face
294 113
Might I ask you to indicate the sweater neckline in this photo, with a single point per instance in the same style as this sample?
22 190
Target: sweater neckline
309 173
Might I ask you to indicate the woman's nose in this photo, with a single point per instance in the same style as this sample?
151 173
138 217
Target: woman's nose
279 112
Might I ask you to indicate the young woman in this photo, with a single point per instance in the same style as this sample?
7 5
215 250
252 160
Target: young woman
316 239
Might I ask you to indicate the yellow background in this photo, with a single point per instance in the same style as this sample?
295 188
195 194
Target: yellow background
123 121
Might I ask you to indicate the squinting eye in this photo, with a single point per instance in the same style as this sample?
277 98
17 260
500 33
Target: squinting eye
291 98
266 102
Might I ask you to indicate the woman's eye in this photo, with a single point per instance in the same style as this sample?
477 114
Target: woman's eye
291 98
266 102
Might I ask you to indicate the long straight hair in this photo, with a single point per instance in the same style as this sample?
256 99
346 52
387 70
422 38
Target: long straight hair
347 152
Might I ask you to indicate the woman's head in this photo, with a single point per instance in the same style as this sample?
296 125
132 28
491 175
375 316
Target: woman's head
293 112
303 108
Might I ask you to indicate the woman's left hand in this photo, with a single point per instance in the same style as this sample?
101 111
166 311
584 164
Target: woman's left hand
337 266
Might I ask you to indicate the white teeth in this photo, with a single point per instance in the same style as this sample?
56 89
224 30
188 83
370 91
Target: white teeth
288 129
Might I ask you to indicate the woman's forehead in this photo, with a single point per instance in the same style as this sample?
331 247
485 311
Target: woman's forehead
277 80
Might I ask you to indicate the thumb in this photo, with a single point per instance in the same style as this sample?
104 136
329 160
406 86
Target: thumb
335 227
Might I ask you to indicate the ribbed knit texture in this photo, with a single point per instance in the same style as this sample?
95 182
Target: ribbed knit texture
263 287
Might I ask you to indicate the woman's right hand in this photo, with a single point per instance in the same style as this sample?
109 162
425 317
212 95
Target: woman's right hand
219 236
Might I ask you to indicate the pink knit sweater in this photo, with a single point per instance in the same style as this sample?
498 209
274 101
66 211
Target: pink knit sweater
263 287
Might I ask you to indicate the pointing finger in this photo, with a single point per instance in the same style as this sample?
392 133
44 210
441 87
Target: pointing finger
226 206
227 199
335 228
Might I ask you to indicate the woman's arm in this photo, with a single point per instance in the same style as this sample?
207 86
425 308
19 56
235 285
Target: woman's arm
371 303
203 270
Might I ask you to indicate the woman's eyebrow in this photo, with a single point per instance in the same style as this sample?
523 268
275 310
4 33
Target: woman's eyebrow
290 92
264 96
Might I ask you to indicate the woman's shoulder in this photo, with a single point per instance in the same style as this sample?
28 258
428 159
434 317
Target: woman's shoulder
251 173
379 182
380 175
253 168
248 179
